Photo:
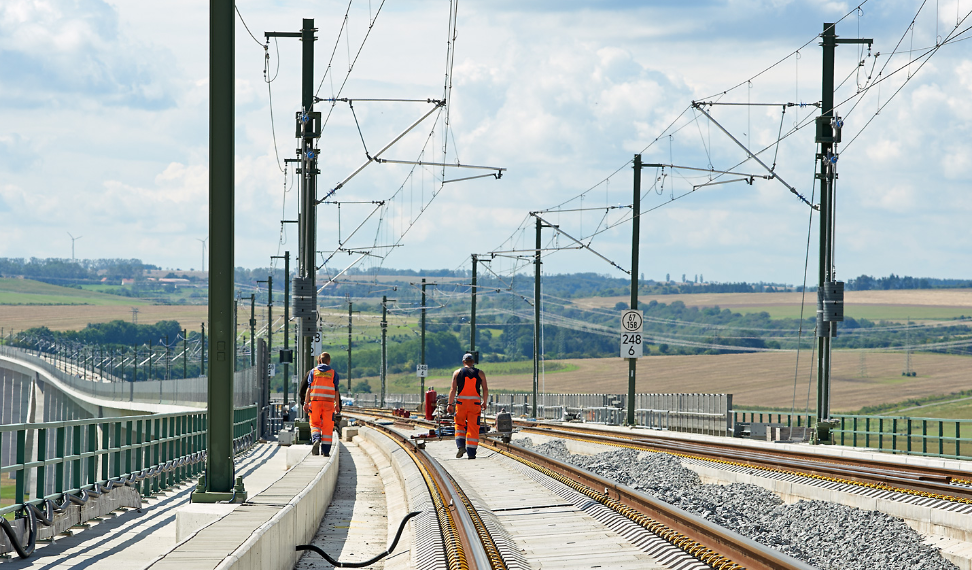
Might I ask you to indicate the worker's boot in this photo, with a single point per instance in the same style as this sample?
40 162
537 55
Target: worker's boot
327 450
460 453
316 449
471 453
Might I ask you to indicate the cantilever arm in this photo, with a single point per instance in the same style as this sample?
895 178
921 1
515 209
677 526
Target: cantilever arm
699 106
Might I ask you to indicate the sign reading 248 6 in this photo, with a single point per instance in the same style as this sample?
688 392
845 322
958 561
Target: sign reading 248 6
631 345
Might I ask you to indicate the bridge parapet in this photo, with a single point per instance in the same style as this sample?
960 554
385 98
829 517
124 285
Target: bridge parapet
186 392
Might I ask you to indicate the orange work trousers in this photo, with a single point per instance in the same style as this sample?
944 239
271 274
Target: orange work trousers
322 421
467 425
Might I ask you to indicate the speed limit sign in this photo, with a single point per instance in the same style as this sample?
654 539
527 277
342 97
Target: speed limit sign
631 345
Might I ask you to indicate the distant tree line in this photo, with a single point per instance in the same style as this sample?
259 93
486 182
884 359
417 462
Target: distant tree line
117 333
60 271
868 283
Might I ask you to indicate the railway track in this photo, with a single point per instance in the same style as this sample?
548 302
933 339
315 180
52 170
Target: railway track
470 522
925 481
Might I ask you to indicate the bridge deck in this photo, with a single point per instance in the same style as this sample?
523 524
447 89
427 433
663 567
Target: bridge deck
132 539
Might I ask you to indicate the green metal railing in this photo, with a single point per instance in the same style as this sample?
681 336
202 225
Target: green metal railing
931 437
152 452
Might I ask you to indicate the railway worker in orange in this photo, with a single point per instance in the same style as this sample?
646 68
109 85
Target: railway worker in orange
322 399
466 396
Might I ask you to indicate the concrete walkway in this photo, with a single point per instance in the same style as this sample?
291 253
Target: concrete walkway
355 526
131 539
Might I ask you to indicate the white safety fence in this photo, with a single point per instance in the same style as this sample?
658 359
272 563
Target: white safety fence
692 413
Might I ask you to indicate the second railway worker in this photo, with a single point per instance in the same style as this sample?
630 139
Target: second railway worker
466 396
319 392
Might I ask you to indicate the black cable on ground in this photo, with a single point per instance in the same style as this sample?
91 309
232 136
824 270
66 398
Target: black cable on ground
338 564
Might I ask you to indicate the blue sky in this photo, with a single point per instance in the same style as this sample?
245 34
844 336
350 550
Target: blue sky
104 132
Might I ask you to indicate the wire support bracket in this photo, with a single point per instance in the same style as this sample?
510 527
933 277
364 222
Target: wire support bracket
700 106
579 242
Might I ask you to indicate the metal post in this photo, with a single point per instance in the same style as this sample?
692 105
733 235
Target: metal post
167 356
635 244
472 312
422 357
269 330
286 331
384 352
349 345
202 351
308 219
286 366
252 330
826 137
185 352
536 320
151 354
220 475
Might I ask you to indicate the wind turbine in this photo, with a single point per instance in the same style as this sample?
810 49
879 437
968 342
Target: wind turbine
202 263
73 239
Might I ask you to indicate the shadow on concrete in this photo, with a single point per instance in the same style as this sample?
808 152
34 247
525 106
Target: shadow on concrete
81 551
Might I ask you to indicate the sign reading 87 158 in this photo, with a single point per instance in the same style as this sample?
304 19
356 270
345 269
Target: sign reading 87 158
631 346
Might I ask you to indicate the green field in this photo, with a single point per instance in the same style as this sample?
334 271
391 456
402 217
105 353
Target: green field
29 292
7 489
958 409
869 312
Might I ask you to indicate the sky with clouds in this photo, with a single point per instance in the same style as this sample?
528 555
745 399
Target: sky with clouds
104 132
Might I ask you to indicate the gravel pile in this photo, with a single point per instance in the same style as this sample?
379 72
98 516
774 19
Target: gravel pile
826 535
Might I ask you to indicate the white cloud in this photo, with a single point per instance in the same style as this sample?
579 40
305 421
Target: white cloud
116 141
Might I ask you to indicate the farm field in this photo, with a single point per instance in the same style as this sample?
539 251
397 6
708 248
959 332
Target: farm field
762 379
914 304
76 317
29 292
959 408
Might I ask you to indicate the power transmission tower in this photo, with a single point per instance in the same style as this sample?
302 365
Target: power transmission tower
908 371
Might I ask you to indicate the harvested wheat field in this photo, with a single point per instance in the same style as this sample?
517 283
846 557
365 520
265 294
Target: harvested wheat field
75 317
910 304
764 379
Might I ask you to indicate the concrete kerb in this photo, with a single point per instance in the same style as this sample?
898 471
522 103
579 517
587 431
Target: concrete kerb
271 544
420 529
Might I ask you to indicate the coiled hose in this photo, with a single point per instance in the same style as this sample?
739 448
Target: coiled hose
22 551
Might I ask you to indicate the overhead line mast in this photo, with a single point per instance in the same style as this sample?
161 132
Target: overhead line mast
830 292
308 129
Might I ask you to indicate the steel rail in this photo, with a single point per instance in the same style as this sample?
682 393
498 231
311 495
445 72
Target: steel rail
713 544
710 543
928 481
472 543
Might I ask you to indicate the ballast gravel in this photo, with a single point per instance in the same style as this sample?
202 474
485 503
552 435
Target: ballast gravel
825 535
